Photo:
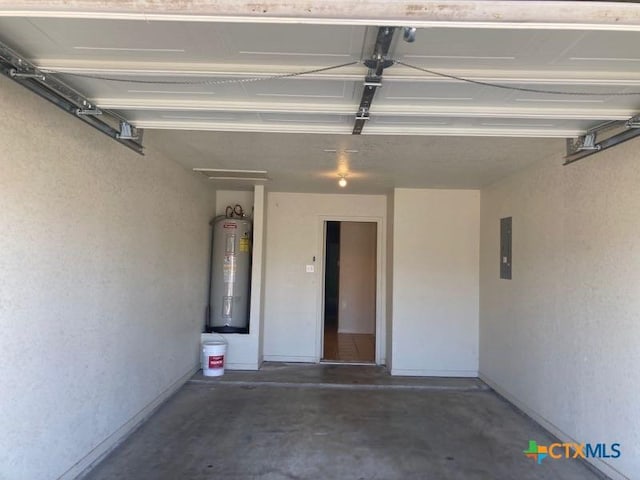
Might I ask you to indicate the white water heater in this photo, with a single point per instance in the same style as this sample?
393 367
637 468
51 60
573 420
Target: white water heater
230 275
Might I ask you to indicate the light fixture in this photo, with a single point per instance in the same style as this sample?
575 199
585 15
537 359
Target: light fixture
343 181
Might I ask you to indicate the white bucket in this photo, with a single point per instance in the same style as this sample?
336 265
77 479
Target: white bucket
213 353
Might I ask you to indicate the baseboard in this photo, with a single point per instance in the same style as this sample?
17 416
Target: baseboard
595 463
289 358
241 366
433 373
84 466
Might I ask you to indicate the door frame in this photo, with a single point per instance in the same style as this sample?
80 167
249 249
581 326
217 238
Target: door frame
380 286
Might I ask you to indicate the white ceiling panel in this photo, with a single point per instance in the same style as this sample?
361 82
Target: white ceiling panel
128 40
477 126
447 46
22 35
522 49
610 51
260 43
237 118
293 118
145 88
239 121
300 89
449 91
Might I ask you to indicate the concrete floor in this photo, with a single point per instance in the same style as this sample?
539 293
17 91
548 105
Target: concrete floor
334 422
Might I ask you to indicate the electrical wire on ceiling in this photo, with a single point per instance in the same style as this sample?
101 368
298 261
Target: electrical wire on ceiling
510 87
335 67
202 82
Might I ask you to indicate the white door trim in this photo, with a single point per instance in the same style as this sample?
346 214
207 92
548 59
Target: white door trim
381 317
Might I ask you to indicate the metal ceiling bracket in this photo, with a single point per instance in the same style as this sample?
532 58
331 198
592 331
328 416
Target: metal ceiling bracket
22 71
588 144
409 34
633 122
376 65
373 63
13 73
88 111
373 82
127 131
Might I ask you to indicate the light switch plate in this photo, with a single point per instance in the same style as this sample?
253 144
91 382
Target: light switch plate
310 269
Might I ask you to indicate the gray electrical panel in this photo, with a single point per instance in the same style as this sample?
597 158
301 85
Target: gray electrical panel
505 248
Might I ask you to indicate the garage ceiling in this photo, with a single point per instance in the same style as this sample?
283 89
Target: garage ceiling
374 164
182 73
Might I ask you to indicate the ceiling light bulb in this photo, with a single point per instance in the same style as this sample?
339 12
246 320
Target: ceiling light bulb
342 182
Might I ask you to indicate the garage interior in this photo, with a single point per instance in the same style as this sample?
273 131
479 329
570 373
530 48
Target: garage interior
441 120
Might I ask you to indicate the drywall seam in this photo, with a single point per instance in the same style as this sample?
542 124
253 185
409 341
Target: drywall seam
596 463
95 456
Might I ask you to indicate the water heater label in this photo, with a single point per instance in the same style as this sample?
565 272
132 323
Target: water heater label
216 361
230 225
244 244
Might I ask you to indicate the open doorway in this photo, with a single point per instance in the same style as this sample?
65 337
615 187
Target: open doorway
350 292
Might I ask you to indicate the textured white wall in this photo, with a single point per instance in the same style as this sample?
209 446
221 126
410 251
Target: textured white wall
226 198
357 309
435 282
103 265
292 296
562 338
